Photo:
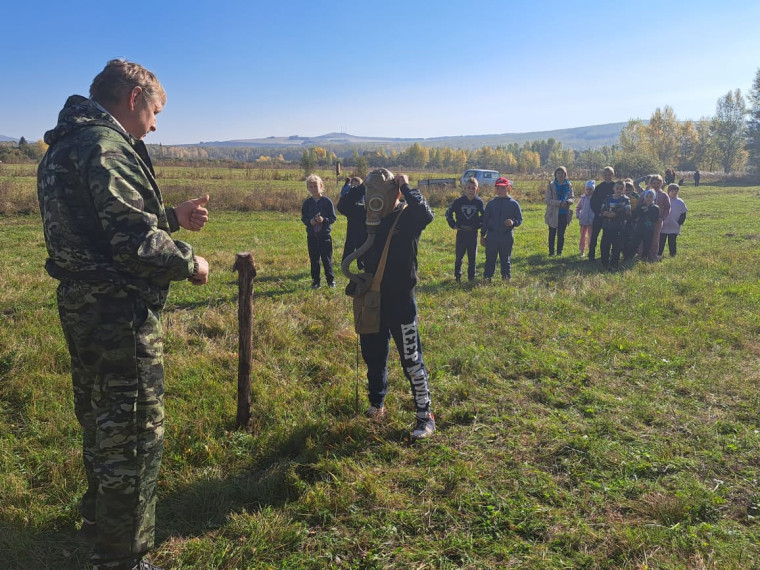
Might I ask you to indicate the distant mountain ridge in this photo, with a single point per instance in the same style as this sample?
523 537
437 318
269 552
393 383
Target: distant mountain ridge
578 138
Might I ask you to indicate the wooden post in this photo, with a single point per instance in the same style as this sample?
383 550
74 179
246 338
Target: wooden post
337 173
246 273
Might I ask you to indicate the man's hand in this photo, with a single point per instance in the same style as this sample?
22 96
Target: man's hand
191 215
401 179
201 277
509 222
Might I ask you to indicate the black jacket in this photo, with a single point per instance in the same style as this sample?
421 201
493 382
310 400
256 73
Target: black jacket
465 214
311 208
601 192
400 275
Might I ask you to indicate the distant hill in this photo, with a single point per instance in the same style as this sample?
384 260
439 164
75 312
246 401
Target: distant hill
296 140
579 138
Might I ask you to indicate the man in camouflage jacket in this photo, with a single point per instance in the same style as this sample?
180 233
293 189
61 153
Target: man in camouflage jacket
108 241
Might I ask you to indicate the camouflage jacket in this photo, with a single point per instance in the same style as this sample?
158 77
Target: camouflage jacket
102 212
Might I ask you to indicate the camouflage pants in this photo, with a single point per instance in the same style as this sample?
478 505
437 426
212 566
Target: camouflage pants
117 370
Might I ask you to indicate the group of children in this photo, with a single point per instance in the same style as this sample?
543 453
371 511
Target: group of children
628 221
632 222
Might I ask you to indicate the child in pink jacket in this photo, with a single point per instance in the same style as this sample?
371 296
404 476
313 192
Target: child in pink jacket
585 214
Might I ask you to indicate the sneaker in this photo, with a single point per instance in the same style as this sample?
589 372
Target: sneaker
376 413
331 284
315 285
425 426
145 565
140 565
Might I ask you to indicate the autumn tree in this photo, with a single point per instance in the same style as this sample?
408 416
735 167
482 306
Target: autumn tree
728 128
436 158
705 152
321 155
753 124
688 144
416 156
308 161
456 160
529 161
561 156
594 160
653 146
361 166
663 132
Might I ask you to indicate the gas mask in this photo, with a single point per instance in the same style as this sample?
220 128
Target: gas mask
381 193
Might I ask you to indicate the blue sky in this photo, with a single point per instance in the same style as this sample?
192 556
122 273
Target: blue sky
246 69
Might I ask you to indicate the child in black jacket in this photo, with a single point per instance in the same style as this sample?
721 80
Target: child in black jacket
318 215
466 216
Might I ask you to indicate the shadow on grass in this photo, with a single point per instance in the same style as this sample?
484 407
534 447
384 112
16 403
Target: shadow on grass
22 547
296 463
275 480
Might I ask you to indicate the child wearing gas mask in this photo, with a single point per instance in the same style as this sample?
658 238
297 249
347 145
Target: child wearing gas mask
502 215
398 308
318 215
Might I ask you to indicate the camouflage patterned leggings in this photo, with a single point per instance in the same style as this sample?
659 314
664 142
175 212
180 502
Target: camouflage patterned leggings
116 350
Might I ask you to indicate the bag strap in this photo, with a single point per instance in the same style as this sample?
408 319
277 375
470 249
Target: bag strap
378 278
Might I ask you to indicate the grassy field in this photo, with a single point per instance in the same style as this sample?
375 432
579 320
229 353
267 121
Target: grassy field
585 419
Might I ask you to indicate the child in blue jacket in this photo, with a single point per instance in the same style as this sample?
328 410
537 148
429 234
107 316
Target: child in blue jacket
501 216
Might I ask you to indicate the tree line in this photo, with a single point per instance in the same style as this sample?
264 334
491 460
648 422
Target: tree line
728 141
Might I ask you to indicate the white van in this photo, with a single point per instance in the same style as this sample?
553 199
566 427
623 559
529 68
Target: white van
484 177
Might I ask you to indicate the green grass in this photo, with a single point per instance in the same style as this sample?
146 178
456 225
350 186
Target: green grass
586 419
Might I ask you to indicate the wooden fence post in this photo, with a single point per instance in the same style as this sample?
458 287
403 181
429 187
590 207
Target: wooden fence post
246 269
